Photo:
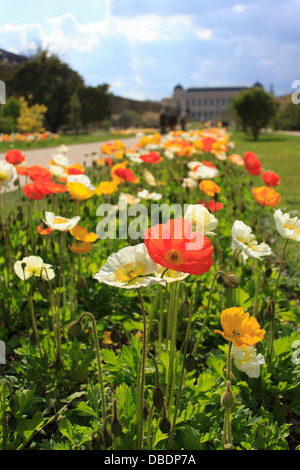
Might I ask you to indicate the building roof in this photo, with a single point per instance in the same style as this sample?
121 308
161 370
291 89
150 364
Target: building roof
228 88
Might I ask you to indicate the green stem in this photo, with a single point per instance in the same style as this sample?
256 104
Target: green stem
207 313
31 308
140 435
182 379
272 325
98 358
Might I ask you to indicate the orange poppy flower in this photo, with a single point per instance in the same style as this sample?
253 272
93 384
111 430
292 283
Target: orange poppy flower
44 231
207 143
266 196
38 172
209 187
126 175
81 234
244 331
83 247
175 246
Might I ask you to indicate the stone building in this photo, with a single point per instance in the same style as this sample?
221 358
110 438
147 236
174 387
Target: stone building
202 104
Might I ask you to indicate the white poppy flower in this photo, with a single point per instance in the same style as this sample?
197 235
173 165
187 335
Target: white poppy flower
244 240
246 360
149 178
129 268
82 179
61 160
189 183
58 171
7 173
287 226
169 154
63 149
169 274
203 221
203 172
33 266
146 195
56 222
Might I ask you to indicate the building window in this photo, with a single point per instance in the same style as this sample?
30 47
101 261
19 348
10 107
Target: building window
217 100
223 101
199 102
229 100
193 102
205 102
187 103
211 102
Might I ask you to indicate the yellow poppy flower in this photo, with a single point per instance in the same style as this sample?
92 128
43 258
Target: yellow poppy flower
240 328
79 191
106 187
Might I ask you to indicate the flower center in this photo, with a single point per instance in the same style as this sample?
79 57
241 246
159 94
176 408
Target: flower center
174 256
236 333
292 227
60 220
128 273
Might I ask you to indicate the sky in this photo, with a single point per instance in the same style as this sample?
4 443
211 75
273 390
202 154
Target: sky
143 49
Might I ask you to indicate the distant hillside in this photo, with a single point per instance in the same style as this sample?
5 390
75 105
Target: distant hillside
119 104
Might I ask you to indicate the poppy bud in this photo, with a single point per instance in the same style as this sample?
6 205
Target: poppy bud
33 339
268 313
189 345
190 363
164 425
14 404
20 215
75 328
265 286
158 397
115 336
185 308
12 422
232 280
228 398
115 424
145 410
97 442
81 283
228 447
108 438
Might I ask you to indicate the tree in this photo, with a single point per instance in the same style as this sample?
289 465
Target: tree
288 116
95 104
75 112
9 114
50 82
254 108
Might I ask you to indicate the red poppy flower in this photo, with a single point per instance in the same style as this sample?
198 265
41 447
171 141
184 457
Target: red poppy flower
207 143
49 187
36 172
212 205
151 157
209 164
31 191
270 178
252 163
75 171
108 161
126 174
175 246
14 157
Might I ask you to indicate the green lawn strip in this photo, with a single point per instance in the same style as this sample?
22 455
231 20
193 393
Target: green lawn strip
281 154
66 139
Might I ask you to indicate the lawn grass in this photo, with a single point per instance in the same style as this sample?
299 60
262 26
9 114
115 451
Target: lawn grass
279 153
66 139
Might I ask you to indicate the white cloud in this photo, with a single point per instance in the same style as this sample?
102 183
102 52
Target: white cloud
239 8
204 33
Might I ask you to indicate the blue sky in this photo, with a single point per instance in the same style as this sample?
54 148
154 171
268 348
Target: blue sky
142 49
